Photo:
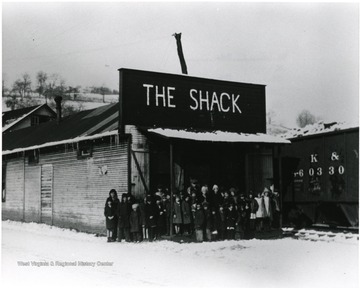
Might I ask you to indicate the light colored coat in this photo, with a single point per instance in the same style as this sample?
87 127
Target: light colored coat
260 213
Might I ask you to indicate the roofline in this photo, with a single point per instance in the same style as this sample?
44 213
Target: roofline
298 138
24 116
67 141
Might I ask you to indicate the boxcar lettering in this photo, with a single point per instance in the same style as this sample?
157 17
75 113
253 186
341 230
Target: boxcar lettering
313 158
334 156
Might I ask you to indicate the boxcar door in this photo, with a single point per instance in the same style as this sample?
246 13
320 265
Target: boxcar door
46 193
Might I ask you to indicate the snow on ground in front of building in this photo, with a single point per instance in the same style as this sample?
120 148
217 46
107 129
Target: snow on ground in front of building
246 263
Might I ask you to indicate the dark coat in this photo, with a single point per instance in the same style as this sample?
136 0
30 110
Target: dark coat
254 206
199 220
110 212
177 213
150 215
186 209
135 221
208 222
161 215
123 213
142 214
221 221
231 218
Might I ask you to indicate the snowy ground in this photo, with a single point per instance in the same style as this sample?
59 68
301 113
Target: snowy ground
247 263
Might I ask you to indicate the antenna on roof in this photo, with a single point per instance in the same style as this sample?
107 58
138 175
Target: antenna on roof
180 52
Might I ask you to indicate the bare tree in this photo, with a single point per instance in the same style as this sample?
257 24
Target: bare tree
22 86
41 78
305 118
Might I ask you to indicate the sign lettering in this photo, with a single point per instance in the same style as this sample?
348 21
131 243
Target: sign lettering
178 101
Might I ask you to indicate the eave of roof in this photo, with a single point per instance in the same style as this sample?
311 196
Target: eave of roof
219 136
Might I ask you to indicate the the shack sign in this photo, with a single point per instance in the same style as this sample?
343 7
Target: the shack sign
178 101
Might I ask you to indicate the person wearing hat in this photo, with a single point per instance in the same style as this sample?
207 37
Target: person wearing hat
150 217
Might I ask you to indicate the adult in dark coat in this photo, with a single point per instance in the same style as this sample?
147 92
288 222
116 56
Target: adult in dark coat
161 219
168 214
123 214
113 197
221 223
216 199
150 217
109 213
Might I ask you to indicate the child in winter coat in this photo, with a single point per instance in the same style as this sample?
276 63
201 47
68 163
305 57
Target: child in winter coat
186 209
221 223
177 217
109 213
135 223
231 221
208 224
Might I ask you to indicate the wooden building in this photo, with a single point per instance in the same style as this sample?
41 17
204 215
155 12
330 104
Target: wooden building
25 117
165 130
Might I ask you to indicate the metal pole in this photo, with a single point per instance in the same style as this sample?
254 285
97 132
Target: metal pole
171 187
280 185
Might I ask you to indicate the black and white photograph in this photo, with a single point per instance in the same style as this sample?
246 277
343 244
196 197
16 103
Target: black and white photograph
180 144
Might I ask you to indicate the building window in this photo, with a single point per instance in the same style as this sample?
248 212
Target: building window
33 157
84 150
35 120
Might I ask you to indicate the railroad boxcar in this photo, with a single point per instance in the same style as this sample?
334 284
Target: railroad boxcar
320 176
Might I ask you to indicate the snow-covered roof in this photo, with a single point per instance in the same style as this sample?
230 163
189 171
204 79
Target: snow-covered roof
67 141
218 136
11 122
85 125
317 128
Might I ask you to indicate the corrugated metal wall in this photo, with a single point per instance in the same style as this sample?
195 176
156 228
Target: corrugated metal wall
80 186
13 207
32 197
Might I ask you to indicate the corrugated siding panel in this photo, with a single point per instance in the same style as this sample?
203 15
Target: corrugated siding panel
80 188
32 193
13 207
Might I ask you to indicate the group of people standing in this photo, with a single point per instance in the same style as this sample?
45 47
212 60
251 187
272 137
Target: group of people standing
207 214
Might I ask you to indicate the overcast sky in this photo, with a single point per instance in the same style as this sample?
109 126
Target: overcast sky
306 54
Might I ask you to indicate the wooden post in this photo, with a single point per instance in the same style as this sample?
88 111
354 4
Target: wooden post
121 125
171 187
180 53
280 186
